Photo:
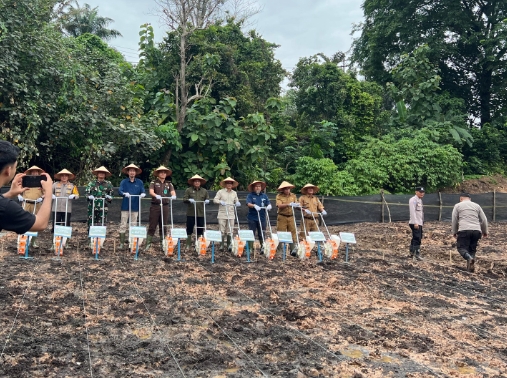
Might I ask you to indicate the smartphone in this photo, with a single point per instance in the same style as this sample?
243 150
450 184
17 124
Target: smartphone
33 181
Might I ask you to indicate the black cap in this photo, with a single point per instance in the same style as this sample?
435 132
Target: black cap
464 195
419 189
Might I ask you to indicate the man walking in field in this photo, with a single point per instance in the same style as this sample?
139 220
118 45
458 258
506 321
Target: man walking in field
469 224
415 205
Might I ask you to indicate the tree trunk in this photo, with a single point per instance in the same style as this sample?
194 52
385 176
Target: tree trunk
485 94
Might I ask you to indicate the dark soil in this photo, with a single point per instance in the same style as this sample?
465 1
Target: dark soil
484 184
380 315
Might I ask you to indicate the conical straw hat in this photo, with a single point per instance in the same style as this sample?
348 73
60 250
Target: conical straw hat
34 168
285 185
103 170
251 186
160 169
229 179
196 177
316 188
65 172
126 169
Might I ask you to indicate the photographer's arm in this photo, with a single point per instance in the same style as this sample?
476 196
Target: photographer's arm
16 187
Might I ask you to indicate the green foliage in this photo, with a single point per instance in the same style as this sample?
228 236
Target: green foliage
323 173
399 165
466 39
77 21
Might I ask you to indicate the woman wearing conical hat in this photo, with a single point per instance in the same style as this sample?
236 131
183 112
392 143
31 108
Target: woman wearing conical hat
130 186
99 193
63 193
227 198
310 204
195 197
33 197
285 202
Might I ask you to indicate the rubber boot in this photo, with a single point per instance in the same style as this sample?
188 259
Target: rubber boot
222 244
229 248
251 246
148 243
122 240
412 251
33 242
189 242
293 250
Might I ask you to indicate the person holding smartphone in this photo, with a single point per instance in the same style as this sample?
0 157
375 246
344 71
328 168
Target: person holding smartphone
33 197
12 216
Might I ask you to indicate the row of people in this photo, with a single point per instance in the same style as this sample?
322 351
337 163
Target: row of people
99 193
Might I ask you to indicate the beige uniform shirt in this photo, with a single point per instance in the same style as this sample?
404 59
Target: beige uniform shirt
282 199
230 198
311 203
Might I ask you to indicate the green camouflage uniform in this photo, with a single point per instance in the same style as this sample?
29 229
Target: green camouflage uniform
98 189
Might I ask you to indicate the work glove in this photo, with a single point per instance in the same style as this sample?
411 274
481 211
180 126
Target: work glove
294 204
222 203
38 200
72 196
108 197
238 204
126 195
53 197
191 200
206 202
173 197
143 195
308 212
20 198
258 208
91 198
158 196
269 207
324 212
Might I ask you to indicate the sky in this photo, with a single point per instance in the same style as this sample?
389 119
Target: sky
301 27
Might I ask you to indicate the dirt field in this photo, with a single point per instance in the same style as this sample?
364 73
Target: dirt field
380 315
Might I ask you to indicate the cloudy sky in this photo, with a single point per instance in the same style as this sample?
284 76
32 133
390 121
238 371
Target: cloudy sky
301 27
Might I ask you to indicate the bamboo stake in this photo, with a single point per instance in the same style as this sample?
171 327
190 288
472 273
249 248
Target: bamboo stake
494 205
440 206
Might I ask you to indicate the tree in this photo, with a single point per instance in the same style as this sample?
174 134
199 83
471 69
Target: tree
184 17
79 20
467 40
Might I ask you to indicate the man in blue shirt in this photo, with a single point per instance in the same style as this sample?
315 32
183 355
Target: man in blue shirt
130 187
257 203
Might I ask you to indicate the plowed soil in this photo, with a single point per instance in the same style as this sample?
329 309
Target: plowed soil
379 315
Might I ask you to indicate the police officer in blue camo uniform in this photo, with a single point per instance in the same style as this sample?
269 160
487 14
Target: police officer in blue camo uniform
256 202
416 222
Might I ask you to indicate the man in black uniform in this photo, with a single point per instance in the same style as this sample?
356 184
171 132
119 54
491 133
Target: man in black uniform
12 216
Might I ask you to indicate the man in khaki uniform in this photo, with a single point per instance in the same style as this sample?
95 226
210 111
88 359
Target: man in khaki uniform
195 193
227 198
33 197
160 187
310 204
285 201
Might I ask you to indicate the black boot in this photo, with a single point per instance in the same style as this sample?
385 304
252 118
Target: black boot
411 251
418 254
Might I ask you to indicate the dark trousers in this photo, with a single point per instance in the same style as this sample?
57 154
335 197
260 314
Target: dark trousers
191 224
156 219
256 226
467 243
417 234
59 218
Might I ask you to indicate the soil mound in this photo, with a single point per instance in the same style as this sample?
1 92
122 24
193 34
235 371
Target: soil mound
485 184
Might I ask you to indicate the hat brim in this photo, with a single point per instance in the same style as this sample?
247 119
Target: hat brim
108 174
34 169
234 183
58 176
126 170
251 186
191 181
285 187
315 188
168 171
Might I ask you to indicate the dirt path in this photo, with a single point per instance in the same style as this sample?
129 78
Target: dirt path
381 315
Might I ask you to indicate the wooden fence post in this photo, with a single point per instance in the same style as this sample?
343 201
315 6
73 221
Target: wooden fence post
440 206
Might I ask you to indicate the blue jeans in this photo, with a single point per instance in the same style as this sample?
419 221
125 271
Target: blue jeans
255 226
